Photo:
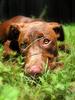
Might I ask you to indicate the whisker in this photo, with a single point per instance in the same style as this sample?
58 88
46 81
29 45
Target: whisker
33 43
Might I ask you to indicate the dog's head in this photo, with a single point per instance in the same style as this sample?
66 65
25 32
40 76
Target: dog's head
38 43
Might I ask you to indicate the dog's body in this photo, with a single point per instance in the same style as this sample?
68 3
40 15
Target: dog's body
6 24
36 40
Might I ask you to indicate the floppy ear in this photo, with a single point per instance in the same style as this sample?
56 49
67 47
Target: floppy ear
13 32
60 32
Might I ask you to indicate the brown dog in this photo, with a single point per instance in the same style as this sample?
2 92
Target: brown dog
37 41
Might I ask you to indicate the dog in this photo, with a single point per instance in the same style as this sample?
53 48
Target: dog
35 40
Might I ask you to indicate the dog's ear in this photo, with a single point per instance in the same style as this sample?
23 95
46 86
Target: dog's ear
60 32
57 27
13 32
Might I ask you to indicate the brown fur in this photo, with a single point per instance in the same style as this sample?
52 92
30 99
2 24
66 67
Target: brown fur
36 40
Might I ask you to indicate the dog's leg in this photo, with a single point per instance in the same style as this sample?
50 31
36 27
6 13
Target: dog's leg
7 50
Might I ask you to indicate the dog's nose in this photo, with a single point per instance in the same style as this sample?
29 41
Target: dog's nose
35 70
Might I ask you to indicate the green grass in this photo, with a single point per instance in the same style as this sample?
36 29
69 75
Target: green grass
52 85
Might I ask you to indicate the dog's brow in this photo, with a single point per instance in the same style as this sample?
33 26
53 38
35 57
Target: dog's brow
33 42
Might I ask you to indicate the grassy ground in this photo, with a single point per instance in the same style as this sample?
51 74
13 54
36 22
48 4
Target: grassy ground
52 85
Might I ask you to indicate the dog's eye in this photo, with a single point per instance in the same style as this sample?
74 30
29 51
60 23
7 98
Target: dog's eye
46 41
24 45
40 36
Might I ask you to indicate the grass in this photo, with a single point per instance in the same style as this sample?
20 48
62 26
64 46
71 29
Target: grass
52 85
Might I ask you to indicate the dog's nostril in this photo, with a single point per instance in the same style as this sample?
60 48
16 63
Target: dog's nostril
35 70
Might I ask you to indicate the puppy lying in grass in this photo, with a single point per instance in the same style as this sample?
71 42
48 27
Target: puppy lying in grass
36 40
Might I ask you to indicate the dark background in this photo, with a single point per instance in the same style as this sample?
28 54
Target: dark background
54 10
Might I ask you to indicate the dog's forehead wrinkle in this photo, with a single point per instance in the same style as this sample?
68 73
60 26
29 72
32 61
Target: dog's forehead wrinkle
36 26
